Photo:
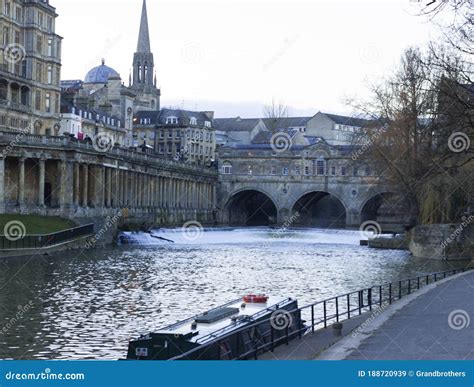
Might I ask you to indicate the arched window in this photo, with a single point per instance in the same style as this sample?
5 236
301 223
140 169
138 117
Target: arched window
25 96
145 72
193 121
15 90
226 168
3 89
139 72
249 170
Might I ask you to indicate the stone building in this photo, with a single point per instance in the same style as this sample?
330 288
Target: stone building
181 135
104 91
30 67
335 129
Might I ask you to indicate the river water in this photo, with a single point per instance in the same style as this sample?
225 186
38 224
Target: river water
87 305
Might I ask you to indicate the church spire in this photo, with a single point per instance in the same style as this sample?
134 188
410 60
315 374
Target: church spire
143 45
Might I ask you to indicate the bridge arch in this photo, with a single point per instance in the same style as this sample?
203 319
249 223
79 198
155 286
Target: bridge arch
389 209
320 209
251 207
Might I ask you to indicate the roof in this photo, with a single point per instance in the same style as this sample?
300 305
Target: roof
236 124
346 120
184 117
287 122
71 85
100 74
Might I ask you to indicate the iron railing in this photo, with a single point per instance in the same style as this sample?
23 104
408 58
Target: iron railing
320 315
13 242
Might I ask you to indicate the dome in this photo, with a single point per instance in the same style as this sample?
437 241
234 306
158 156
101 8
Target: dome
100 74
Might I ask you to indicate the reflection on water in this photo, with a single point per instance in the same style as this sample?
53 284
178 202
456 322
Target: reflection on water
86 305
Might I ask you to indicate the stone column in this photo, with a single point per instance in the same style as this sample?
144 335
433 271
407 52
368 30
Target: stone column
21 181
85 188
2 185
66 181
77 179
108 179
99 187
42 178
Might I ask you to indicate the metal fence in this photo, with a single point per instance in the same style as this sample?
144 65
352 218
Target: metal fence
46 240
323 313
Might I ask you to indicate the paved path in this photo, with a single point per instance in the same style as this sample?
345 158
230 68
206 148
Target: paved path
435 324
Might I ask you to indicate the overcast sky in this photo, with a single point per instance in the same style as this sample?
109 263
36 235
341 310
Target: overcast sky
234 57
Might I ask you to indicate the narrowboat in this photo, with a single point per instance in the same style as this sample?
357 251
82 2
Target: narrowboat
230 331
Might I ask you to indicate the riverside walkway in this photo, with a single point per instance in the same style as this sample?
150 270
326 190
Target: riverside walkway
435 323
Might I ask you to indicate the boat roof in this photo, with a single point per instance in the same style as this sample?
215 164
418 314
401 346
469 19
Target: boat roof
218 321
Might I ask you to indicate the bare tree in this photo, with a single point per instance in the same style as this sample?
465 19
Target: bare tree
418 108
273 113
455 19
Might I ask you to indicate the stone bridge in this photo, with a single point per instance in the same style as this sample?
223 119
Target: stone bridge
316 188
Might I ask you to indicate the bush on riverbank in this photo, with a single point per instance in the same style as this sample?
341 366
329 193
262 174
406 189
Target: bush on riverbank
36 224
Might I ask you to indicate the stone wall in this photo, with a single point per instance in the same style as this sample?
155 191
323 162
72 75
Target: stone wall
443 241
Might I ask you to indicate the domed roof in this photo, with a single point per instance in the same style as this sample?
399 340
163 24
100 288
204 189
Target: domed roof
100 74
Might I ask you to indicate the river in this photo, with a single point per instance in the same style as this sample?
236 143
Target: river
86 305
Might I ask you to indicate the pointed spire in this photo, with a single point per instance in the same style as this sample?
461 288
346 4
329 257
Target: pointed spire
144 35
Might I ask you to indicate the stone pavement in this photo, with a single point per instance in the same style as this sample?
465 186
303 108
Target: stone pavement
436 323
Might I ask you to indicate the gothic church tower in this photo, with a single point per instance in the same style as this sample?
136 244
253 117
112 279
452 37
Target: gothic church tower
144 79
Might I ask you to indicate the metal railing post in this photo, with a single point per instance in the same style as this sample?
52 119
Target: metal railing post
337 309
369 297
390 293
325 316
312 318
348 307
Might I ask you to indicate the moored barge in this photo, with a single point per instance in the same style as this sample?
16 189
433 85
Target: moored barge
231 331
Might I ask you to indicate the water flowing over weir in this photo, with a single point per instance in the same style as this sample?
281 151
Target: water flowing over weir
87 305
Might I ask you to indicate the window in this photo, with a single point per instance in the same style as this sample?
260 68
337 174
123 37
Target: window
7 8
47 101
39 44
50 23
50 47
170 134
39 72
171 120
162 134
145 121
297 170
343 171
40 19
284 171
320 167
38 100
333 171
207 124
162 149
170 148
193 121
6 36
50 74
249 170
227 169
18 14
306 170
273 171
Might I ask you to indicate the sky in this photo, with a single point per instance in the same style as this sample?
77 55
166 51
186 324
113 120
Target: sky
236 57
